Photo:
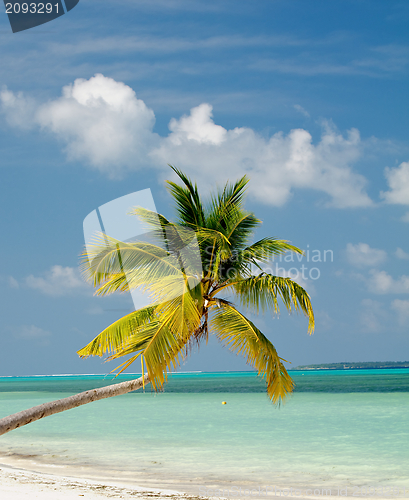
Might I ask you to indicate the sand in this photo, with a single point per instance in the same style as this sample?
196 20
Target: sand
27 479
16 484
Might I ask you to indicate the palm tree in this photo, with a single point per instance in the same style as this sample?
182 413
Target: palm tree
196 271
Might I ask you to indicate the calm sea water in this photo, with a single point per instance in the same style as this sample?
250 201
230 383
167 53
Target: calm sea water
341 429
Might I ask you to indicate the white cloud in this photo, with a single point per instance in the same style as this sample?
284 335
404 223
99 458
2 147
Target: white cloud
100 121
198 127
401 254
405 218
13 283
402 308
301 110
362 255
58 281
160 44
323 321
32 332
373 316
277 166
97 310
103 124
398 181
18 109
382 282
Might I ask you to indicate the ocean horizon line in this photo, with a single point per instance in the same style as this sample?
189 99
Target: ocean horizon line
295 370
122 375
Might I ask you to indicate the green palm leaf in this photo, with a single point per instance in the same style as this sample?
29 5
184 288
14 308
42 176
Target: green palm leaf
241 336
112 338
158 346
262 292
188 202
162 342
267 248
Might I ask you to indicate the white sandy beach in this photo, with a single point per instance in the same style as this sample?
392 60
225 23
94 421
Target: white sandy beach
18 484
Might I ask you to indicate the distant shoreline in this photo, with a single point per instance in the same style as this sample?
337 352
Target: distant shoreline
367 365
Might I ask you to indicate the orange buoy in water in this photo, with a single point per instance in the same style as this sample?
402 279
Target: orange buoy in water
224 402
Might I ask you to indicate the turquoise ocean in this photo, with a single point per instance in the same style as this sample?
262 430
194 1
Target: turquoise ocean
341 430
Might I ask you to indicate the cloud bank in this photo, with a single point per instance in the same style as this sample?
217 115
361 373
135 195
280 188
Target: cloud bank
58 281
372 315
383 283
401 254
362 255
401 307
32 332
398 181
102 123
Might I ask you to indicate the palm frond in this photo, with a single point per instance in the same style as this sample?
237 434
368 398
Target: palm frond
171 237
112 265
160 349
152 220
241 228
267 248
188 203
104 256
243 260
262 292
181 314
226 207
111 340
231 195
163 341
242 337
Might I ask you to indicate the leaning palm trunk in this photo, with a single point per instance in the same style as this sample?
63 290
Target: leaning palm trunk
25 417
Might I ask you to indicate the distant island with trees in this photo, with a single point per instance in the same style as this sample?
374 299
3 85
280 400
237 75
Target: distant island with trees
366 365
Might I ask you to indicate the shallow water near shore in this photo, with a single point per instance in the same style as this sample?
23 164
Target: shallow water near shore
339 429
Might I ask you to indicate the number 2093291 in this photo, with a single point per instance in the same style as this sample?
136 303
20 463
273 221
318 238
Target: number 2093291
31 8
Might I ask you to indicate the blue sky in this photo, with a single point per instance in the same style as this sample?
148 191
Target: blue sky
309 99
